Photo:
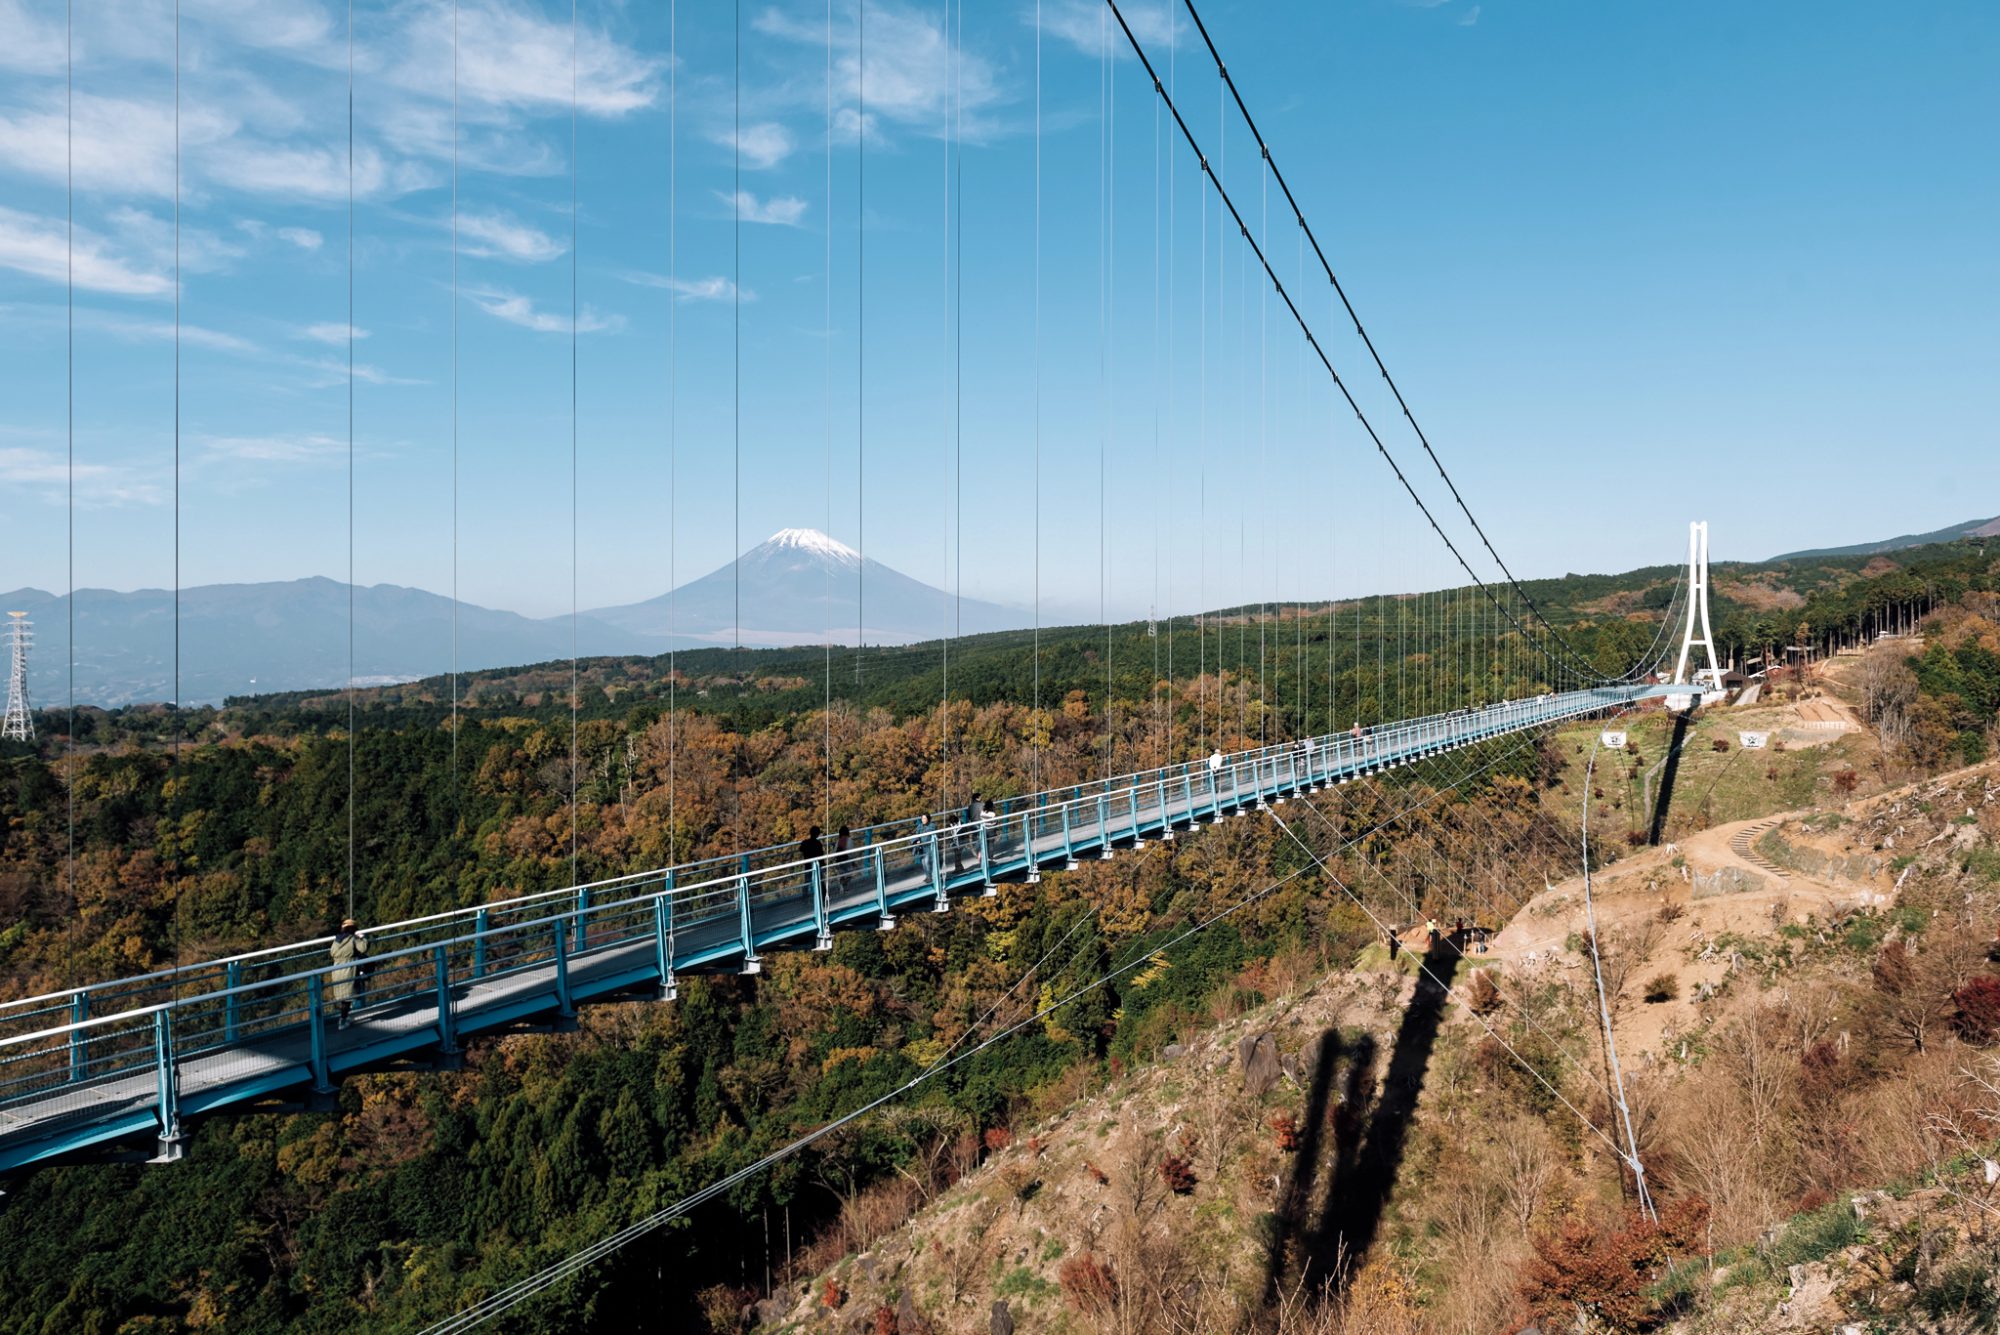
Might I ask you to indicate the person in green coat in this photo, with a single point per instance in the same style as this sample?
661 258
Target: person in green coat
348 948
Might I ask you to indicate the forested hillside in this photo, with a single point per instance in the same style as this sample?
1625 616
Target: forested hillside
143 838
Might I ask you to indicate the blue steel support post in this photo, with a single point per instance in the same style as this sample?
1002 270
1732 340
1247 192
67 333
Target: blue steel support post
884 919
985 855
751 964
1136 832
79 1046
816 877
1166 818
232 978
1103 827
663 941
316 1001
563 1003
940 899
168 1079
479 944
1027 850
447 1028
1069 840
582 908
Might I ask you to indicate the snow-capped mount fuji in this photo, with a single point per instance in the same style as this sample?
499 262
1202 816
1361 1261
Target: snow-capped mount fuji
801 587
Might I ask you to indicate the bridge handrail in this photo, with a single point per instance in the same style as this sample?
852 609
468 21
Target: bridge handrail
730 867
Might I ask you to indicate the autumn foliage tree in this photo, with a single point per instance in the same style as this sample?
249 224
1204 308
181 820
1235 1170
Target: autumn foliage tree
1609 1274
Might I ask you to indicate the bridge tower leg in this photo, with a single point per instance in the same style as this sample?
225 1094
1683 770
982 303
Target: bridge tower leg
1697 613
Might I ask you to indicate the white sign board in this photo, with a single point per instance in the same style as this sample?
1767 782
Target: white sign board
1752 741
1677 703
1613 741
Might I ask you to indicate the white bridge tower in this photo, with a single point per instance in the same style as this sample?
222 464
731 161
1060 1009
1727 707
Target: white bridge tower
20 724
1709 677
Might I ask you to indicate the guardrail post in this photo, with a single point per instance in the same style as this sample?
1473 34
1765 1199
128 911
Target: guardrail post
1214 795
816 875
751 964
1034 858
663 939
1103 827
985 855
168 1079
479 921
884 919
564 1005
316 1001
232 976
1069 840
447 1029
1166 817
582 930
1135 813
79 1046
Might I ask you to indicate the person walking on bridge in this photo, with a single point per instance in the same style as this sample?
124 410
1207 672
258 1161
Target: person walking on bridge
348 949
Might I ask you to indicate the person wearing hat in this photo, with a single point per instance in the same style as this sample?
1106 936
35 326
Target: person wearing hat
349 946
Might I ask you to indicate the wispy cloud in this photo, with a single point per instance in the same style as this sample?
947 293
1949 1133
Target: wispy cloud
511 56
305 238
911 83
331 332
121 145
716 288
297 448
41 247
311 171
1089 26
517 309
1471 17
502 236
781 210
34 40
98 485
763 145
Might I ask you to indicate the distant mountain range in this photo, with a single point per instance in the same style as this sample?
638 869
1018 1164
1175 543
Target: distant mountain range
1971 528
245 639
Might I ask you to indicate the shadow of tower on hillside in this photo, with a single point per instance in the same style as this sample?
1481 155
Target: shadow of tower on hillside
1369 1141
1291 1244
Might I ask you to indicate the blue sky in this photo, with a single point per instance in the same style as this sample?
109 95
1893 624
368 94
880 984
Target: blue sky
1631 264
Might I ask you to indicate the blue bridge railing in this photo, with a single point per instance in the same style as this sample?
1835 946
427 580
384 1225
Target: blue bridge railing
138 1056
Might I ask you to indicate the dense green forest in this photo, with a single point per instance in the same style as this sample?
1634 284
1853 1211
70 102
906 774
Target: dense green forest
147 837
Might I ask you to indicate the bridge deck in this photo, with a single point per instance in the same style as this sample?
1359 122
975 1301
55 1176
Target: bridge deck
138 1056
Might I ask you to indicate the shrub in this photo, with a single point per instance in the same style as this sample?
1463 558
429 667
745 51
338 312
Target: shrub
998 1138
1977 1013
885 1321
1672 911
1286 1128
1481 993
1846 781
1662 987
1177 1173
1585 1271
1096 1174
1719 745
833 1296
1089 1284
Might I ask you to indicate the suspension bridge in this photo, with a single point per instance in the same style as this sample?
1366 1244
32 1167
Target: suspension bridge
95 1067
